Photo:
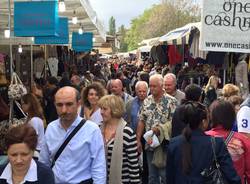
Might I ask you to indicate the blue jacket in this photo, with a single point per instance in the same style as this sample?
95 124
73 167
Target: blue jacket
202 156
44 175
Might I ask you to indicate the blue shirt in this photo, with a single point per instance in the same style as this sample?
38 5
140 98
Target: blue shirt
83 157
135 107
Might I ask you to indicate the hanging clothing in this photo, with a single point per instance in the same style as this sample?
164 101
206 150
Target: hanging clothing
241 77
53 65
38 66
194 48
175 54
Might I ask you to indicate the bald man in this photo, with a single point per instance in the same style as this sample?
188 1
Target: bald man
117 89
83 159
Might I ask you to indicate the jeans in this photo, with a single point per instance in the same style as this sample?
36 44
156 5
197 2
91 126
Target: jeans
155 173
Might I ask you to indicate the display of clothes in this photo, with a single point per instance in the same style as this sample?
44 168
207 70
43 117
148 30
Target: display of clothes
175 54
194 47
159 54
53 65
51 51
38 66
241 77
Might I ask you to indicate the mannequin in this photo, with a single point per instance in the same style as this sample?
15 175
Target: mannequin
241 78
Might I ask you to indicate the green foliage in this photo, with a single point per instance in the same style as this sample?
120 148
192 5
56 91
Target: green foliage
112 26
122 33
160 19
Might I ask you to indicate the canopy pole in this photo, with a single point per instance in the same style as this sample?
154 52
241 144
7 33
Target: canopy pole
45 61
31 66
11 56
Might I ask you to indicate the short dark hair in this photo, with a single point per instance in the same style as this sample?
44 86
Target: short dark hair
193 92
23 133
52 80
222 113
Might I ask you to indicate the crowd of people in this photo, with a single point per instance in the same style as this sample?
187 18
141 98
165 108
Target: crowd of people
127 124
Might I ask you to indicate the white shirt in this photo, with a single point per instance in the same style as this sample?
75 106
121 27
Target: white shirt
97 117
31 175
243 119
37 124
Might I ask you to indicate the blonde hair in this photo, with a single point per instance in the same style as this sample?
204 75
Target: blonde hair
212 79
230 90
113 102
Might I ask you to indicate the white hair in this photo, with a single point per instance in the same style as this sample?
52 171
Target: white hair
158 77
141 83
171 76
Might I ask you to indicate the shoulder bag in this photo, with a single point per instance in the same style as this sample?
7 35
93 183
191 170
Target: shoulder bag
213 174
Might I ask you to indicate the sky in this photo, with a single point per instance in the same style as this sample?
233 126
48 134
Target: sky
122 10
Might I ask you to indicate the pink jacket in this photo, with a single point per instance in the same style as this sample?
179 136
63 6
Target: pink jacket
239 149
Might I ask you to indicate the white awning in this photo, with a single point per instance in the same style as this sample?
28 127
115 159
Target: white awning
180 35
150 42
144 49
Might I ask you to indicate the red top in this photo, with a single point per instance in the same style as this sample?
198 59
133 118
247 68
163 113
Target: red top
239 149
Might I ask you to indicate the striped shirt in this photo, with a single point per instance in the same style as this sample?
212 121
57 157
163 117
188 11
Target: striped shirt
130 164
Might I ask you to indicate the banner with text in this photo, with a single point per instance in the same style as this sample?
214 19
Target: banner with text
36 18
63 34
82 42
225 26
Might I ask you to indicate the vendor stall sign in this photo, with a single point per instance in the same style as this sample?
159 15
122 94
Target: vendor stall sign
225 26
36 18
63 34
82 42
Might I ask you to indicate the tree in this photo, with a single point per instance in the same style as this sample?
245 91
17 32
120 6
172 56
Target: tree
160 19
112 26
135 33
122 33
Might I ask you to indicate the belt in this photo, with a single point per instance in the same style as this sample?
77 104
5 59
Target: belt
88 181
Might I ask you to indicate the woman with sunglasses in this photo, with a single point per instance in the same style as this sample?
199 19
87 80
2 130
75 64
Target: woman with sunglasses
191 153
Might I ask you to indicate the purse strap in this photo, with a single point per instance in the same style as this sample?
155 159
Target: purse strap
64 144
229 137
214 152
20 108
13 78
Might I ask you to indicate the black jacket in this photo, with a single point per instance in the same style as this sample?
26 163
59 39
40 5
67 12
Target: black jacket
44 175
177 123
202 156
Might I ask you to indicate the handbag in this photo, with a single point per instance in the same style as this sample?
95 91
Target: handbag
11 122
16 88
213 174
